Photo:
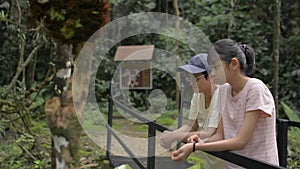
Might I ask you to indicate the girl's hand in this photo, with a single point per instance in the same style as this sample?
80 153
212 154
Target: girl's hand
194 138
183 152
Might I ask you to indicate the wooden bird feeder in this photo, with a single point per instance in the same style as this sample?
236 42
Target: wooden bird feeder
135 68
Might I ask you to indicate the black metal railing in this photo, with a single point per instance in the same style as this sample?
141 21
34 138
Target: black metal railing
128 151
225 155
282 138
152 127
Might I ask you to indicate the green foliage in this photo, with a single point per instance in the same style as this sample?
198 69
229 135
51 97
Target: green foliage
195 159
124 166
196 166
70 28
26 150
293 138
22 109
39 164
67 32
9 49
65 21
9 155
3 124
213 18
168 118
57 15
25 138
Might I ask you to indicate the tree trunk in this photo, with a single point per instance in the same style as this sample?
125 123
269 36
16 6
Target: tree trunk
275 50
61 116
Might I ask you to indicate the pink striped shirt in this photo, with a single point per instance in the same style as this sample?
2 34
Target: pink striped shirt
254 96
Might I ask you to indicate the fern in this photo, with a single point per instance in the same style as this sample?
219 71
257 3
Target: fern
294 133
289 112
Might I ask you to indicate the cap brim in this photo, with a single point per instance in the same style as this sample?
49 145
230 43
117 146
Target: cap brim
190 69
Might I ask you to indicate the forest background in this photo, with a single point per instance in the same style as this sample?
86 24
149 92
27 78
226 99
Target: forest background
33 32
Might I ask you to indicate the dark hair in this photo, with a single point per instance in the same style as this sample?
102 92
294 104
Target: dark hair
227 49
205 74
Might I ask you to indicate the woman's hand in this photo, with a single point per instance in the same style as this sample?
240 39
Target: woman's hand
183 152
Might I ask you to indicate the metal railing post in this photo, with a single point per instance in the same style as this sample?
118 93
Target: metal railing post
282 141
151 146
180 114
109 122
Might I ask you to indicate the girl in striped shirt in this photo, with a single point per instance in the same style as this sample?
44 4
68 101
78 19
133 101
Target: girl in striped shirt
248 125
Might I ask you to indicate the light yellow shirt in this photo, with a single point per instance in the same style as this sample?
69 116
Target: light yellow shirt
208 118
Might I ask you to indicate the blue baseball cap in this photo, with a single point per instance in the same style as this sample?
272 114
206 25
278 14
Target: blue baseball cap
197 64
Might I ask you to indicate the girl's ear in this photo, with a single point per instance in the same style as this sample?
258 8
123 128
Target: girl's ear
235 63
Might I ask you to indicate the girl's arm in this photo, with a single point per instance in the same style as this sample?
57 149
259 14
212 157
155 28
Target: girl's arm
238 142
183 134
219 134
206 136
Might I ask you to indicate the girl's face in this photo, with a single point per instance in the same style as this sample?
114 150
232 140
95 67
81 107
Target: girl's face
199 83
218 75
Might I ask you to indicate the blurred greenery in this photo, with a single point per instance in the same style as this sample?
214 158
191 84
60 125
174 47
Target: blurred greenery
293 138
25 136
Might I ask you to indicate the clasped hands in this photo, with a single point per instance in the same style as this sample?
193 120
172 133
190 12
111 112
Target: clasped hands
183 152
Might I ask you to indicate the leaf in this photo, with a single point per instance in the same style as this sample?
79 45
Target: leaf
78 24
56 14
294 133
289 112
196 166
67 32
124 166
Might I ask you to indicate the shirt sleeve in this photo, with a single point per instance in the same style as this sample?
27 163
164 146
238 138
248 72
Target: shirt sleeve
194 107
260 98
217 106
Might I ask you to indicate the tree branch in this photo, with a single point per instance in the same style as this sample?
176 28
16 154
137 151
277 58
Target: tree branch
21 68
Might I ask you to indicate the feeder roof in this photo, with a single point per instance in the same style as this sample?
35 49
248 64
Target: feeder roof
135 52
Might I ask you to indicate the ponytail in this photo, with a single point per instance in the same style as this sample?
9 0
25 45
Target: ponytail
226 49
250 59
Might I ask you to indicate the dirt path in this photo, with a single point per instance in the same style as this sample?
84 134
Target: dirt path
132 136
